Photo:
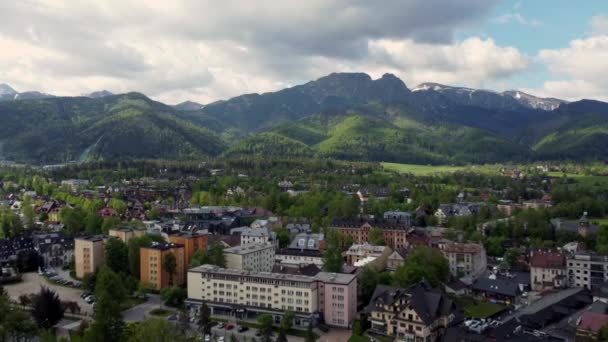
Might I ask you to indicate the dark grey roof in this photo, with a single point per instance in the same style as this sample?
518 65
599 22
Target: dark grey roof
428 303
498 285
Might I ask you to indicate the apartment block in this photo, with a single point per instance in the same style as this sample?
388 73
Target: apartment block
547 270
465 259
255 258
337 298
126 233
191 242
244 295
587 270
152 265
89 254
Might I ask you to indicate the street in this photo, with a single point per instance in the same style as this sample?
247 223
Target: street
142 311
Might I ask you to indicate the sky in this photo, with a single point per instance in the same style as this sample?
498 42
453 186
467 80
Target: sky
205 50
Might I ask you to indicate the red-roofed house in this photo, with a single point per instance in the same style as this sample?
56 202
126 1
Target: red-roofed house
547 270
108 212
590 324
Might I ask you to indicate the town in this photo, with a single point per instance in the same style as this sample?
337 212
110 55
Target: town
298 250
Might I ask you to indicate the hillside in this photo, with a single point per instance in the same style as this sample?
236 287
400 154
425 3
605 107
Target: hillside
113 127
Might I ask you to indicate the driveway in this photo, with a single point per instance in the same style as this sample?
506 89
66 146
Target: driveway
141 312
31 283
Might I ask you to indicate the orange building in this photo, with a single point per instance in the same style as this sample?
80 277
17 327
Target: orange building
152 265
191 242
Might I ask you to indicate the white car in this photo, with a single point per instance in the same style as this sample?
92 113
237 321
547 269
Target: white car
207 338
220 339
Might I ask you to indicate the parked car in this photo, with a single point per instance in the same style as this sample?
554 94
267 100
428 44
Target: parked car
220 325
243 329
220 339
230 327
207 338
85 294
258 333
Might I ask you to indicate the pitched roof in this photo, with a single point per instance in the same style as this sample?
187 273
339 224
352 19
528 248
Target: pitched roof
593 321
544 259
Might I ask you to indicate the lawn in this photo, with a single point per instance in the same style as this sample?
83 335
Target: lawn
161 312
600 221
483 310
421 170
357 338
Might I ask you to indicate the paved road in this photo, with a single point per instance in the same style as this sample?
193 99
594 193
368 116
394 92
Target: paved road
140 312
32 282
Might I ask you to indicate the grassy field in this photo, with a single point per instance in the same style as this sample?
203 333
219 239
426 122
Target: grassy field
421 170
600 221
483 310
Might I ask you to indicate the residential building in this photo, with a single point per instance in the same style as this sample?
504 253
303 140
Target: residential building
417 313
465 259
396 259
255 258
56 249
305 248
547 270
245 295
337 298
152 268
590 324
446 211
501 288
399 216
126 233
74 184
255 235
394 233
375 256
89 254
581 227
587 270
192 241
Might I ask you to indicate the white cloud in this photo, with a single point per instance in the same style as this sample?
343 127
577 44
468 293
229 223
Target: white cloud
517 18
472 62
208 50
579 70
599 25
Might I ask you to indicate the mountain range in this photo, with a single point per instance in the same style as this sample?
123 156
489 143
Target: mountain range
342 115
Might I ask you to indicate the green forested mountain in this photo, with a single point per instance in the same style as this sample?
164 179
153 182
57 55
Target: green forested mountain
343 116
113 127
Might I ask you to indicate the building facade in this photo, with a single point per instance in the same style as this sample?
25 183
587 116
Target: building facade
418 313
255 258
547 270
465 259
394 233
191 242
89 254
152 265
126 233
56 249
587 270
244 294
363 252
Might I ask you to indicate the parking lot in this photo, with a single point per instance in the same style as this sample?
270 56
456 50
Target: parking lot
32 282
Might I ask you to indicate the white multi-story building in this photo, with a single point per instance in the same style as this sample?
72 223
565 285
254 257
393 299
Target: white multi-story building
255 257
465 259
587 270
245 294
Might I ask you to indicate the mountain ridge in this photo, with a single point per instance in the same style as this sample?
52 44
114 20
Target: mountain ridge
340 115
